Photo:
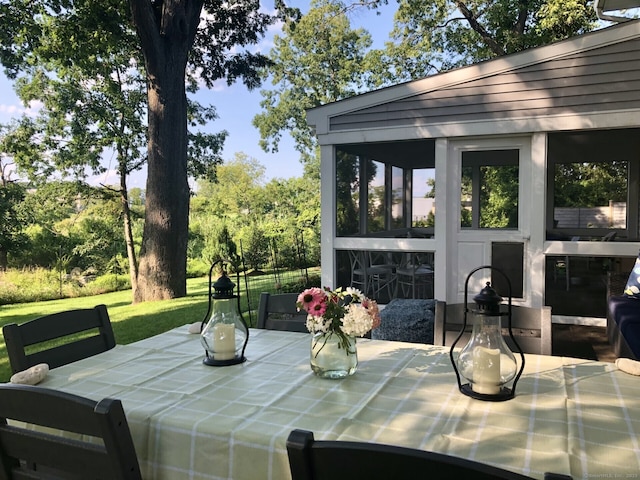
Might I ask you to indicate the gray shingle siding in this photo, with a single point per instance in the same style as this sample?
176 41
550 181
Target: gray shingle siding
601 79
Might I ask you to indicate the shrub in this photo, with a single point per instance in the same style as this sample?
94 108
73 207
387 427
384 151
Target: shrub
301 284
106 283
197 267
39 284
32 285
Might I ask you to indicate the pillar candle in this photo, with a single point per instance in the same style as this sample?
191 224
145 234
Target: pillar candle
486 370
224 341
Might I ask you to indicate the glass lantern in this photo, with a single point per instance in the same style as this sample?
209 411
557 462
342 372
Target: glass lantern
486 362
224 333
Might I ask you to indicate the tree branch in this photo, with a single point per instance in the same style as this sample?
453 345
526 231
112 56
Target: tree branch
475 25
521 22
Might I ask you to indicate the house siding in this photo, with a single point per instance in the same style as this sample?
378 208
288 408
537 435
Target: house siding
597 80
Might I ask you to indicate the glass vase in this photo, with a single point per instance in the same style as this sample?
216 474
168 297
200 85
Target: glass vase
333 355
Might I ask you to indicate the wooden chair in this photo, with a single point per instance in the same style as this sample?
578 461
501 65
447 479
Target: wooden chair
64 451
279 312
340 460
531 327
91 324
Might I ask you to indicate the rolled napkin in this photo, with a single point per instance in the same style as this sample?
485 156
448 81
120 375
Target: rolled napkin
629 366
31 376
195 327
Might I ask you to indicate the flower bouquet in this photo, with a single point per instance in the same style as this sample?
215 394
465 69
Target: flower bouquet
335 318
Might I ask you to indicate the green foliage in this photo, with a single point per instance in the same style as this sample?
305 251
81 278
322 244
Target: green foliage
80 61
466 219
197 267
236 188
283 209
347 193
317 60
39 249
590 184
12 237
499 197
255 247
82 225
301 284
111 282
443 34
117 265
228 249
40 284
29 285
70 217
92 65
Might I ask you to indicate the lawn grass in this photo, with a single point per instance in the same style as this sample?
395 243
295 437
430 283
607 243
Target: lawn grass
135 322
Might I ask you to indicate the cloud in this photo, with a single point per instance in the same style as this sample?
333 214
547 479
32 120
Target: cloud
11 110
16 110
109 177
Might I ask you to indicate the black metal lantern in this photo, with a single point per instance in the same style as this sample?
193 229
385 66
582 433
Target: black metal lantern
486 361
223 332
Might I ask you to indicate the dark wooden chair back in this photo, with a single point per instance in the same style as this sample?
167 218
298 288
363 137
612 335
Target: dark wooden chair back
91 328
531 327
279 312
340 460
63 451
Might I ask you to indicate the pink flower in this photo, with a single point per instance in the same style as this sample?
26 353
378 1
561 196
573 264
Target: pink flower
374 311
310 297
345 311
319 308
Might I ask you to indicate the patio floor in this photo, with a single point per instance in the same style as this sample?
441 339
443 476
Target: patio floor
582 341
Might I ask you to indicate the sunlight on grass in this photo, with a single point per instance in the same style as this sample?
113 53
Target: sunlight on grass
136 322
130 322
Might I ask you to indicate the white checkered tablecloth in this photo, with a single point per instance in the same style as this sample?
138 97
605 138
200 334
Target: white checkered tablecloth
193 421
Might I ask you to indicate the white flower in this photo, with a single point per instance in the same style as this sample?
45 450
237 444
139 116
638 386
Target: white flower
317 324
354 292
357 321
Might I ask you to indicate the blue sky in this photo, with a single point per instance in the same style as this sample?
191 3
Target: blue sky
236 107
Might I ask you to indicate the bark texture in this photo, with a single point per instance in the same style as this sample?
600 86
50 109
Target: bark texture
166 30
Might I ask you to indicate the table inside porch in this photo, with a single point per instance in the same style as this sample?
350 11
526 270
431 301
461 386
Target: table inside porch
189 420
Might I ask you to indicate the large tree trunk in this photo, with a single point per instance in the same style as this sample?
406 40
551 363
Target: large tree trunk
166 31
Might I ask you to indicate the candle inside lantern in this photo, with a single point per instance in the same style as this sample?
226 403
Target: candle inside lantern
224 341
486 370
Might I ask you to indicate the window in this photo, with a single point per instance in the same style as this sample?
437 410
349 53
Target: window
348 194
376 196
397 198
590 195
489 189
589 174
375 183
422 198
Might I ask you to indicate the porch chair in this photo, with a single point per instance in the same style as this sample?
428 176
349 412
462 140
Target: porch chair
48 333
370 275
279 312
310 459
415 277
66 449
531 327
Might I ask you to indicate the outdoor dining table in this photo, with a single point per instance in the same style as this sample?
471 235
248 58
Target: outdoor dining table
189 420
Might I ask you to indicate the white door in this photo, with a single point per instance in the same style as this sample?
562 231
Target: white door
486 188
